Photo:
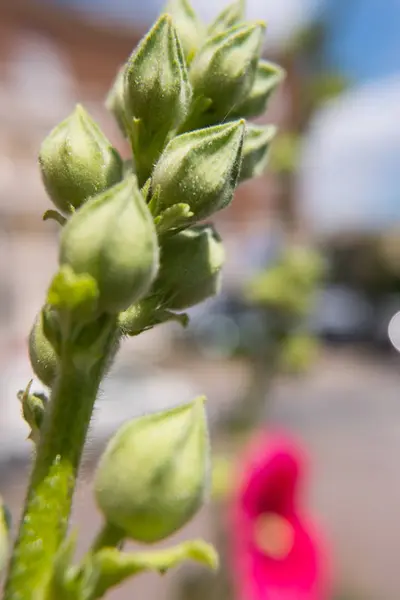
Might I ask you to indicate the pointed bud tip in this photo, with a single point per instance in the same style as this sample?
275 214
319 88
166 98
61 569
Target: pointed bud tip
261 23
199 402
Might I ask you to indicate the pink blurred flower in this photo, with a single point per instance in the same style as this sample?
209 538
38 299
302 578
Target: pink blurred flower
277 554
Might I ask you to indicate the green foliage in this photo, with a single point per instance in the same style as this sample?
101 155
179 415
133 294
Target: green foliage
108 567
287 286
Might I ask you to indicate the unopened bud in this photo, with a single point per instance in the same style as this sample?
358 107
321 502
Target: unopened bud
232 15
112 238
189 27
268 77
115 102
42 355
153 476
255 150
225 67
200 169
190 267
157 92
77 161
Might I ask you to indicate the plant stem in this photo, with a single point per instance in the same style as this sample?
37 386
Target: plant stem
108 536
48 504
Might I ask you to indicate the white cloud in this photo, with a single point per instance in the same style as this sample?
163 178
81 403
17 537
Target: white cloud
283 17
351 161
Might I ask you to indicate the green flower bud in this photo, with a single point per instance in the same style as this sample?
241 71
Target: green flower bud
153 475
225 67
190 267
255 150
200 169
189 27
112 238
42 355
157 92
232 15
77 161
268 77
115 102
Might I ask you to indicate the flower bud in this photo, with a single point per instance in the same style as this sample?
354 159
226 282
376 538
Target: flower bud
190 267
255 150
153 475
115 102
42 354
225 67
189 28
157 92
200 169
112 238
77 161
268 77
232 15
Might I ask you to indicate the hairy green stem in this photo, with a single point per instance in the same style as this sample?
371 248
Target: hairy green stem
108 536
48 504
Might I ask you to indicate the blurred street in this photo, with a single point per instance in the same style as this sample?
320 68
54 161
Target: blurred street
347 412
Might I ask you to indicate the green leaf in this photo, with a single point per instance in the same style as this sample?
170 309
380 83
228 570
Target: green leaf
153 203
64 581
146 190
114 566
33 408
71 292
163 316
145 315
55 216
173 217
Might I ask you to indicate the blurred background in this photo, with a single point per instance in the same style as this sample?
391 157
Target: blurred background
298 338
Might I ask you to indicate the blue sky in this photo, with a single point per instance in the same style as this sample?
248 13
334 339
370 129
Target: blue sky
364 38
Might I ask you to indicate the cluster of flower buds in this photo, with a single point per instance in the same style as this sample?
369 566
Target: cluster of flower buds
131 243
